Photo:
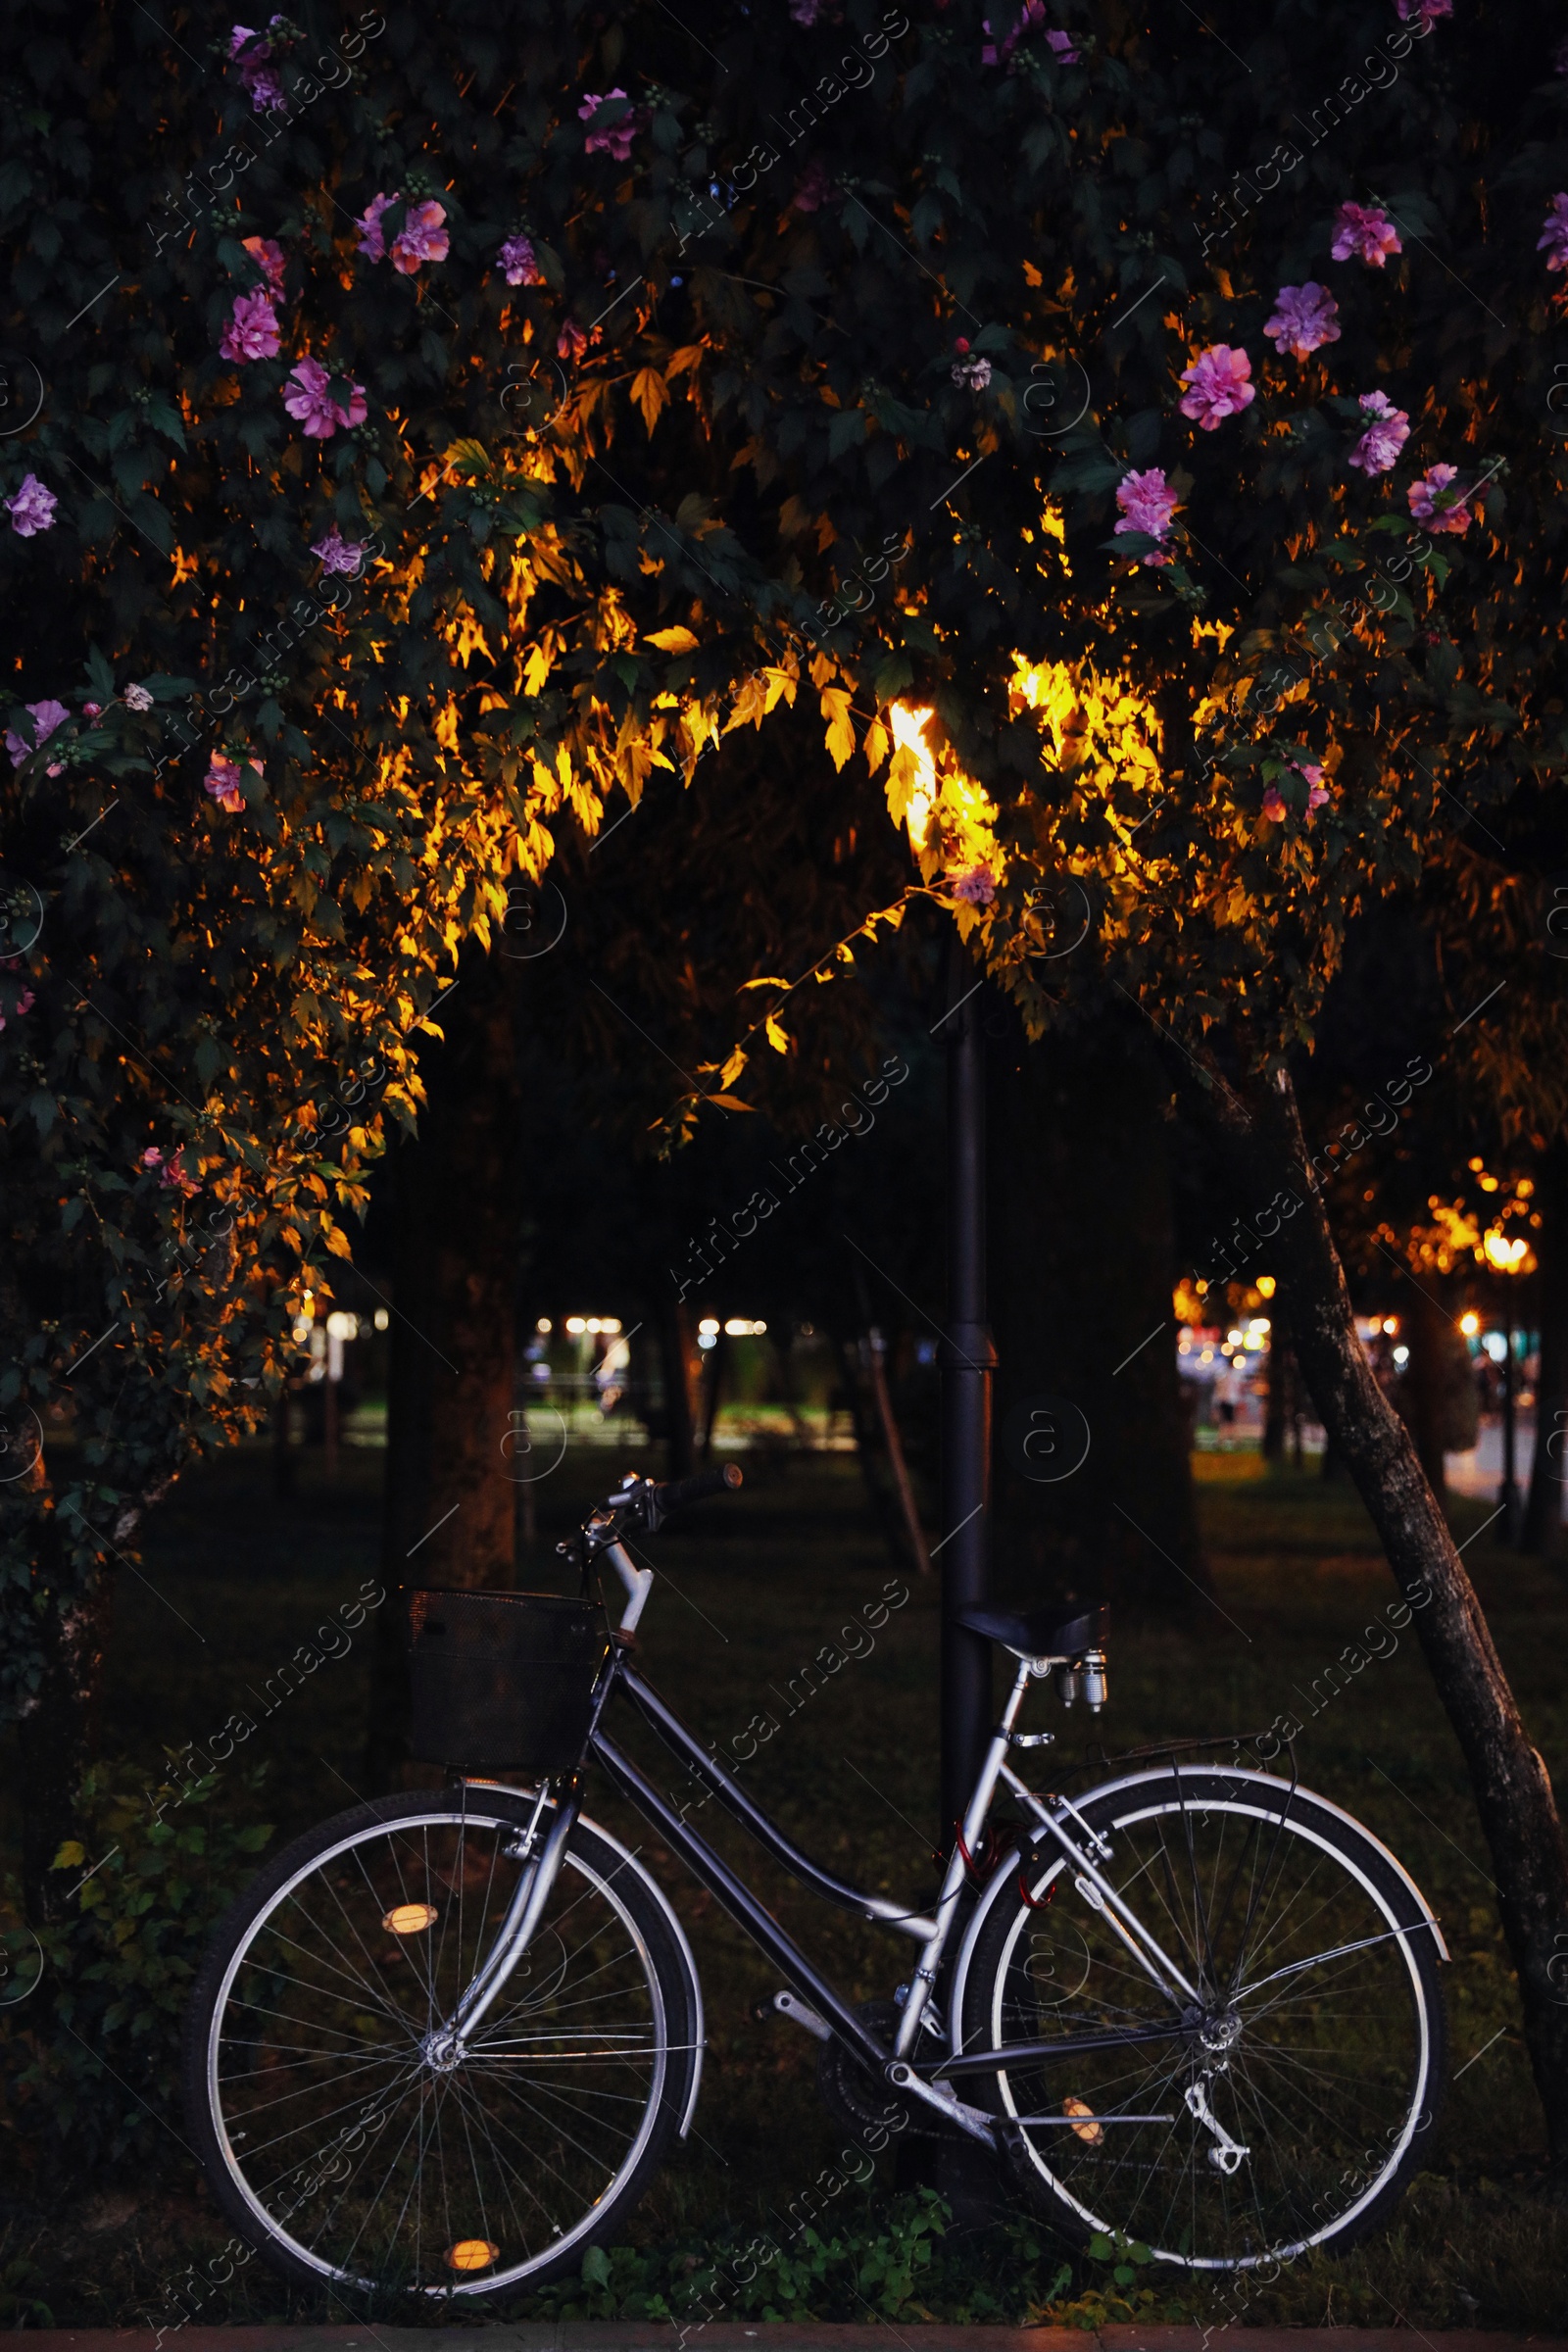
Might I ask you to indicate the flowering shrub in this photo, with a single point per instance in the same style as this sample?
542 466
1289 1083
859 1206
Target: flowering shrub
308 397
1436 504
1147 503
251 333
1388 430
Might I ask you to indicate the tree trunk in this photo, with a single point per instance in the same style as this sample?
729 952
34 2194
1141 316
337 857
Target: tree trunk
449 1503
672 1324
1513 1789
1083 1256
1427 1324
56 1734
1542 1527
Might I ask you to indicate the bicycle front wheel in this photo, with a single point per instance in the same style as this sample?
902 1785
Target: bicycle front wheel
1279 2095
341 2140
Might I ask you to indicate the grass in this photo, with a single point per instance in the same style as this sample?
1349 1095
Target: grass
236 1580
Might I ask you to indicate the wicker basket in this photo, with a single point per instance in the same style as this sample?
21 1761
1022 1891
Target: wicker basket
503 1681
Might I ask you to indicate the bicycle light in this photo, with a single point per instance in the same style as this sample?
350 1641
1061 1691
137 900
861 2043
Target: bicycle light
1094 1679
1067 1684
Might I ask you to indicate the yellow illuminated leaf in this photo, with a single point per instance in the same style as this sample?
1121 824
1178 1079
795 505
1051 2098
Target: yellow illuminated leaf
650 392
778 1037
729 1102
840 730
675 641
688 356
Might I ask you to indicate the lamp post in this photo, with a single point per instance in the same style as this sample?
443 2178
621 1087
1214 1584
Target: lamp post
1508 1258
967 1361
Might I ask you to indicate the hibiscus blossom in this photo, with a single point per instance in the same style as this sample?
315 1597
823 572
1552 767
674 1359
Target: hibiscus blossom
305 396
1434 484
1553 238
1388 430
616 137
1365 231
46 717
1303 317
422 238
32 508
337 554
223 781
1425 12
267 255
1217 386
572 342
1034 13
976 887
971 375
24 995
251 331
1273 805
368 226
252 51
137 698
1146 502
518 259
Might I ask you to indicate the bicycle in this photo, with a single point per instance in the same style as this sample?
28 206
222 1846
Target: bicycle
441 2043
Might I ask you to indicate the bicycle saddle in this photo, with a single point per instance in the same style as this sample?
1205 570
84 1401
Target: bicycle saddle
1040 1633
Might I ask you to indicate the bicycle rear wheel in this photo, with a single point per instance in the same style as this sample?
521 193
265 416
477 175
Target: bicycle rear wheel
1312 2040
347 2154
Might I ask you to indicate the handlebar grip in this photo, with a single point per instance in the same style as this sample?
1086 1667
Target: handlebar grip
675 1494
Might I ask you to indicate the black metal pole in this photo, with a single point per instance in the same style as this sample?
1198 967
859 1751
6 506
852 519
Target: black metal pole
967 1362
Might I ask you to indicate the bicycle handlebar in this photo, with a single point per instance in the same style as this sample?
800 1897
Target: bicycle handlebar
675 1494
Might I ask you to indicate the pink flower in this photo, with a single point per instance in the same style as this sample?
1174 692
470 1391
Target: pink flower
1553 238
137 698
32 508
335 553
1273 805
222 780
305 396
516 259
1218 386
616 136
91 709
252 51
1426 12
572 342
422 238
26 999
1436 482
1317 792
267 255
977 887
1388 430
1034 13
46 717
174 1177
251 331
814 189
1365 231
1147 503
368 226
1303 317
971 375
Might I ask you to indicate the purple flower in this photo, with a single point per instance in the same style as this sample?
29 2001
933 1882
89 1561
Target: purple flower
222 780
977 887
616 137
516 257
251 331
252 53
1365 231
1388 430
46 718
422 238
1034 13
337 554
305 396
1425 12
971 375
1061 42
32 508
1303 317
24 995
1435 484
137 698
368 226
1217 386
1553 238
1146 502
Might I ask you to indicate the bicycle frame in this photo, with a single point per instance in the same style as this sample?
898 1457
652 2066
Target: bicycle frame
832 2017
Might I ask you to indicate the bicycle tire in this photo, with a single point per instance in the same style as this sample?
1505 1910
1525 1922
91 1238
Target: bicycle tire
1334 2121
425 2182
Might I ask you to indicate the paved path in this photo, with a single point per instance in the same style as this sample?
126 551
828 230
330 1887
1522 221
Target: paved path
630 2335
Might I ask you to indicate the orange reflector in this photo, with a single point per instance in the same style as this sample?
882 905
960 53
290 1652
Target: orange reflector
471 2254
1090 2133
410 1919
